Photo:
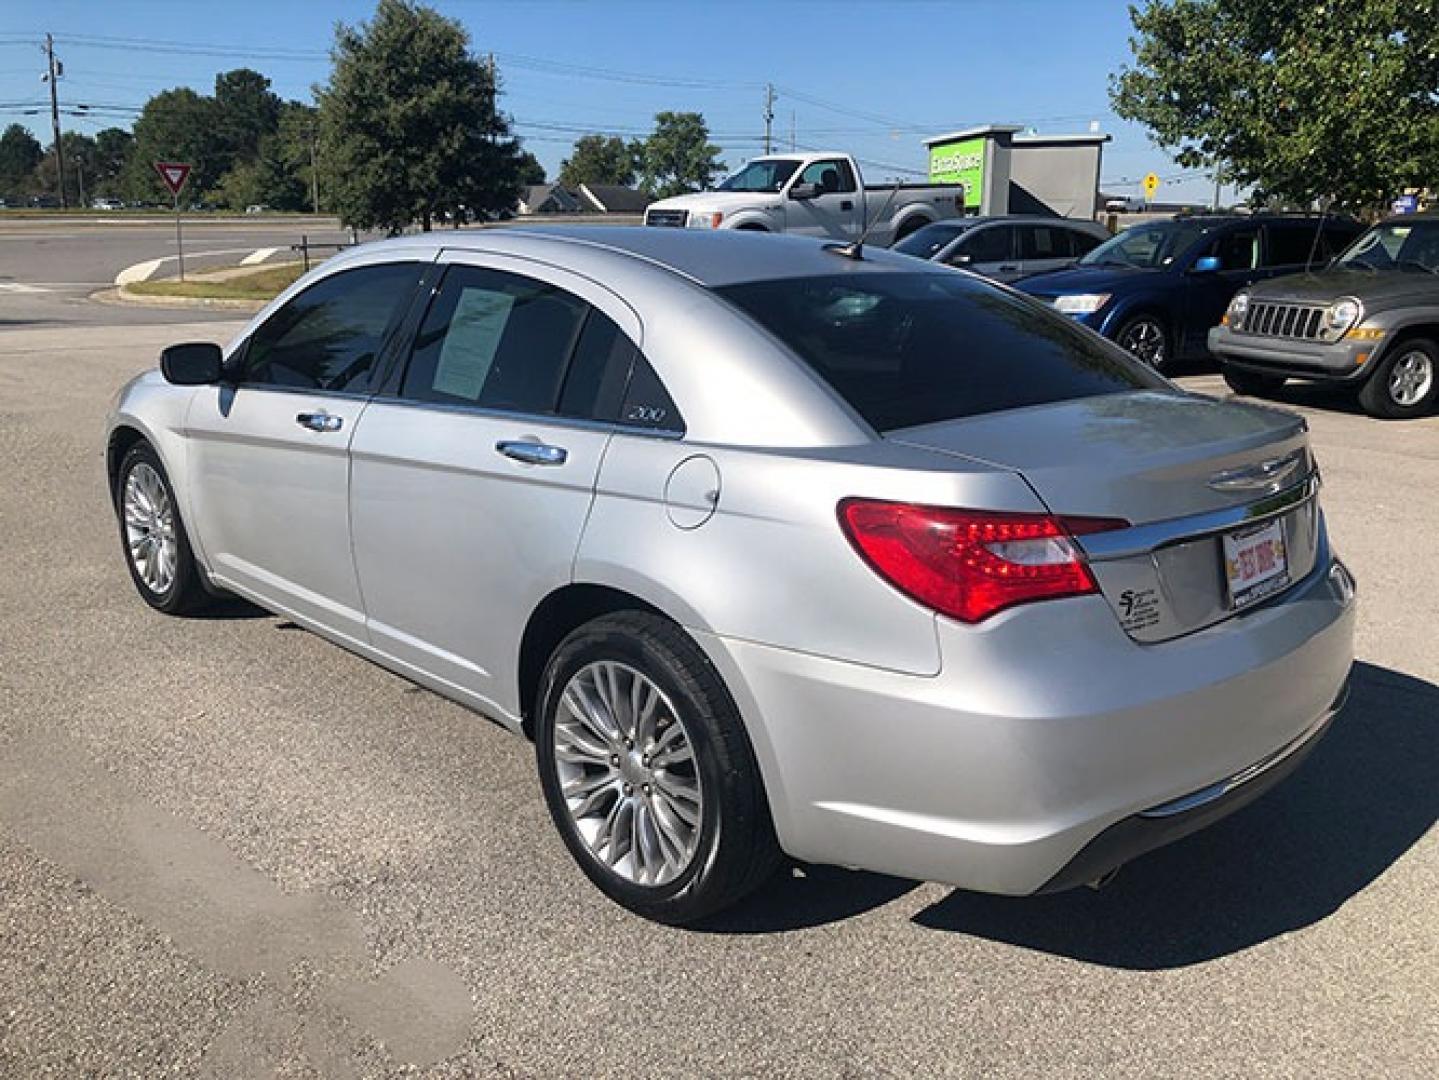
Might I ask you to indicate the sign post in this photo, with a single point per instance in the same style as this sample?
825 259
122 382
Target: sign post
174 174
1151 185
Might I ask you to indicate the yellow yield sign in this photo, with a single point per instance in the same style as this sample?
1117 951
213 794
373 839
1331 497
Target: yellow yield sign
1151 185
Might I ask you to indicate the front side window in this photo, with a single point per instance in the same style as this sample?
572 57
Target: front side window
991 245
494 339
1237 250
328 337
906 349
829 177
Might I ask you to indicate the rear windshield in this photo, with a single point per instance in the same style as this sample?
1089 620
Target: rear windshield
910 349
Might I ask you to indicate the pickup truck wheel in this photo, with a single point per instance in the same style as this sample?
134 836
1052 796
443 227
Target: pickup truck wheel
1406 382
913 225
648 772
1146 338
1251 383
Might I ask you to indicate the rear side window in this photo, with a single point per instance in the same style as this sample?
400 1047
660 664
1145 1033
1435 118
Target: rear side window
1043 242
909 349
1083 243
328 336
494 339
1295 244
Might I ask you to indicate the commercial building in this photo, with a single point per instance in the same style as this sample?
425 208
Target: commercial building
1007 172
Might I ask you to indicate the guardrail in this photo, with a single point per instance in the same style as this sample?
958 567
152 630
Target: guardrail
305 246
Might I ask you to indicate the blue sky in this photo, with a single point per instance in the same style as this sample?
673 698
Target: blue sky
870 77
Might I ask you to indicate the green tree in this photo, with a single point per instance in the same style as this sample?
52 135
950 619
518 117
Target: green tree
19 157
1300 99
176 125
80 168
113 150
678 157
530 169
409 128
597 159
245 112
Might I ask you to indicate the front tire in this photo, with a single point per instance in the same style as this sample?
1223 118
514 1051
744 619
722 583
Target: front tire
647 770
1252 383
1405 385
1147 339
152 535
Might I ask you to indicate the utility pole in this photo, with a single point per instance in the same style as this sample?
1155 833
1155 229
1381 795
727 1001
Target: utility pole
314 172
793 138
56 69
768 114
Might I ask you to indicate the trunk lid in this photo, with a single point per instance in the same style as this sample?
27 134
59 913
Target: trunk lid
1183 470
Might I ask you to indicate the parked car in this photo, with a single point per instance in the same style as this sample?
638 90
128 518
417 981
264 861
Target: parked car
1157 288
106 204
768 548
811 195
1005 248
1370 321
257 208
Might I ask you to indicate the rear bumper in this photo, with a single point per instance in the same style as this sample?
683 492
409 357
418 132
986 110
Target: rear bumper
1046 728
1338 363
1160 825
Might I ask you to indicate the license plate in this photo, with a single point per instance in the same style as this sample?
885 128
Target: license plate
1256 563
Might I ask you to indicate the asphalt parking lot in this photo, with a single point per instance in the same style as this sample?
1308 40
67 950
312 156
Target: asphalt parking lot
228 848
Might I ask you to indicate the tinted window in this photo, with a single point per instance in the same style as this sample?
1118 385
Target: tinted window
1295 244
1412 246
829 176
1043 242
761 176
595 386
989 245
1237 250
494 339
908 349
1083 242
327 338
925 242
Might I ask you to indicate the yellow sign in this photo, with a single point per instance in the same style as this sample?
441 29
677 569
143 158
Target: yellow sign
1151 185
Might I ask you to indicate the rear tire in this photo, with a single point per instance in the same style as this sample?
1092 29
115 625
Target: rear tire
1405 385
1252 383
647 770
153 537
1148 340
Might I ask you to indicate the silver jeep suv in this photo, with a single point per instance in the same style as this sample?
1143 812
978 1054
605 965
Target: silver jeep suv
1370 320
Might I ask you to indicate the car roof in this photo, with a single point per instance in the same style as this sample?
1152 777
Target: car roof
712 258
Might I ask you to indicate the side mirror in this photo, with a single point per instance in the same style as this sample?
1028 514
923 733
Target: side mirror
804 191
1208 264
195 363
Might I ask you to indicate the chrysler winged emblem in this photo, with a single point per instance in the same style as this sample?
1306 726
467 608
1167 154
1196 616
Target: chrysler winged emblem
1264 476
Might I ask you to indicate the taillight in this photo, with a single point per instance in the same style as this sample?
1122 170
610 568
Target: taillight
969 564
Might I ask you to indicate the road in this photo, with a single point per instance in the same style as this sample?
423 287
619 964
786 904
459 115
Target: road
49 267
228 848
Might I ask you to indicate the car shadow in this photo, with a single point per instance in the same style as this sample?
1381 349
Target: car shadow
1366 795
229 607
799 897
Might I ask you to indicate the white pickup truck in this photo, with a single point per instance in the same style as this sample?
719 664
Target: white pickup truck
812 195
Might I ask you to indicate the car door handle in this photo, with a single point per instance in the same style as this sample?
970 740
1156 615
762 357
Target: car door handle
532 453
320 421
846 205
1009 268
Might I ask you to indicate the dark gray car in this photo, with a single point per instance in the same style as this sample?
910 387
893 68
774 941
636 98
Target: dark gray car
1005 248
1370 321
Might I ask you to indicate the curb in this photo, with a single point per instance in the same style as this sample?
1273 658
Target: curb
123 297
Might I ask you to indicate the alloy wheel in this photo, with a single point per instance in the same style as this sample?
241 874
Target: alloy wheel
627 770
1144 338
150 528
1411 378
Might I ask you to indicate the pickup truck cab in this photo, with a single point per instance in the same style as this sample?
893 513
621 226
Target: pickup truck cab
811 195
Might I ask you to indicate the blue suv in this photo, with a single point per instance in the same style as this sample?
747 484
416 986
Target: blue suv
1157 287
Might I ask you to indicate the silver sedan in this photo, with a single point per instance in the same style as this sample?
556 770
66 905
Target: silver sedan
773 547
